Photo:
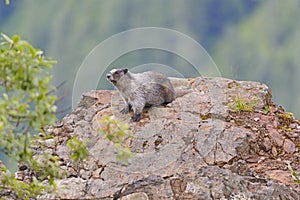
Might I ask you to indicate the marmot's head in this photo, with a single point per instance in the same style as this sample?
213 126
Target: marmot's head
115 74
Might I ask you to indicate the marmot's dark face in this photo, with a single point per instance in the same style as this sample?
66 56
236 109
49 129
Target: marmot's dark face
115 74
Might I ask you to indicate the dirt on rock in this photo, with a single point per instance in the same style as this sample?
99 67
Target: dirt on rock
276 143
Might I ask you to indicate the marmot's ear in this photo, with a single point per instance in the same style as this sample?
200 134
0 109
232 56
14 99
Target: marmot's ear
125 70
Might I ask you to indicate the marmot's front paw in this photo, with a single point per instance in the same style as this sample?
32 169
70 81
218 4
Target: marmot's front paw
126 109
136 117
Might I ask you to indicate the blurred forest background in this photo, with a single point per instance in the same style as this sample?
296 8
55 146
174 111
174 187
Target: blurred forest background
257 40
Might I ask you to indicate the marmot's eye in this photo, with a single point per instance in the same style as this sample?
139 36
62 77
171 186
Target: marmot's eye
117 72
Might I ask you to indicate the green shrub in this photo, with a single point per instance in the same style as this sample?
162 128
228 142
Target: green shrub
26 106
117 131
78 149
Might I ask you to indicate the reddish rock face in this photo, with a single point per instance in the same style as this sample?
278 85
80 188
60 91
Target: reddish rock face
276 138
289 146
197 147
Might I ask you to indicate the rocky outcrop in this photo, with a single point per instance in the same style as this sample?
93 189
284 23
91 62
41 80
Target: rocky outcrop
200 146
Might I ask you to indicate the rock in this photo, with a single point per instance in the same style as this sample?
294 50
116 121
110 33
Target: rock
19 175
71 188
256 119
289 146
274 151
135 196
240 167
63 152
50 143
280 175
292 134
267 144
253 159
21 166
276 138
193 148
297 142
97 173
293 125
275 123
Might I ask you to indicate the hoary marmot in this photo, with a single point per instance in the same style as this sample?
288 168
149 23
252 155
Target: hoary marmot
141 89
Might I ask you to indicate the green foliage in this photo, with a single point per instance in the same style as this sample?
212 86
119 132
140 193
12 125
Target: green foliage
45 166
117 131
295 175
239 105
78 148
26 106
287 115
22 189
285 119
266 109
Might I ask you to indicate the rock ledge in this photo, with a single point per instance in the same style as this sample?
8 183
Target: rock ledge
194 148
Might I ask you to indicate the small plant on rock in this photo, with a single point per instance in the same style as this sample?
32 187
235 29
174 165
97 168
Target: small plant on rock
78 149
240 105
117 131
295 175
267 109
